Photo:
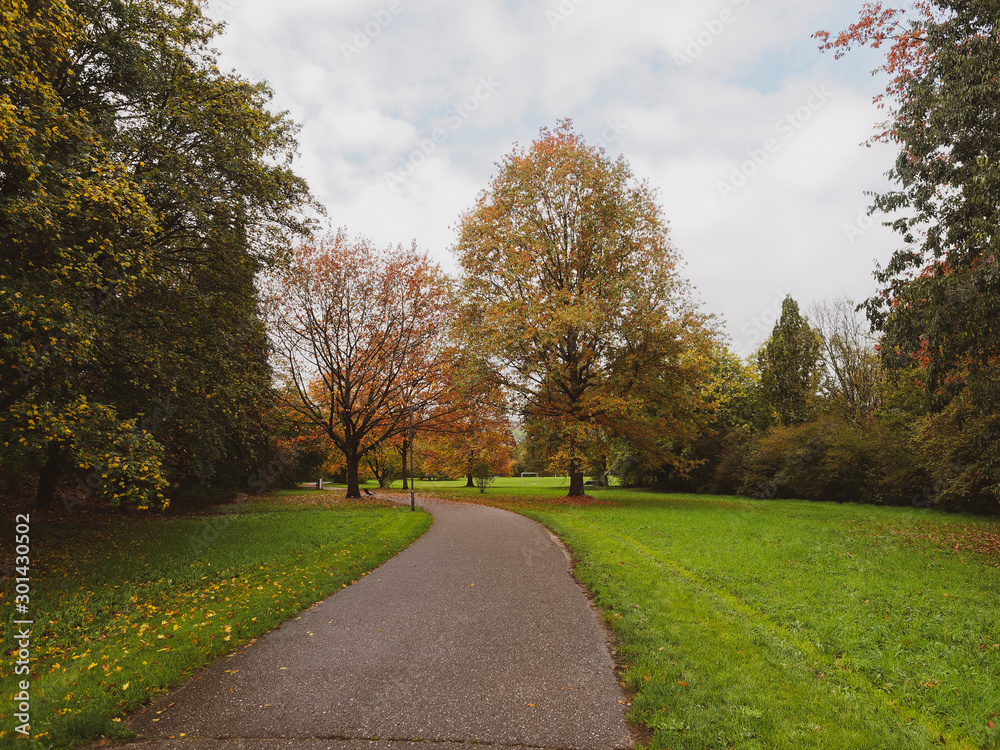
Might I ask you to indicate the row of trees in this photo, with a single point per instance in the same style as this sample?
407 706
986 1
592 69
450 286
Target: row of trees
169 318
569 314
941 294
142 192
902 407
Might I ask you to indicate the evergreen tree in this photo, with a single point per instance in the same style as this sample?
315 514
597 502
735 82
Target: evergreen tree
789 366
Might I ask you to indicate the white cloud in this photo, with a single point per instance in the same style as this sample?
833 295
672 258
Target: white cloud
372 83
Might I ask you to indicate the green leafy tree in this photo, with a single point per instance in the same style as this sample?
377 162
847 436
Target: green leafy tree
738 412
734 390
941 297
571 292
483 475
139 201
72 223
789 366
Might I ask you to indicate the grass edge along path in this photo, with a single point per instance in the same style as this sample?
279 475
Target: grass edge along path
781 662
104 647
760 664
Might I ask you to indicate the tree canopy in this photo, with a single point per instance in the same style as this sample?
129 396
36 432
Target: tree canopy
141 191
789 365
571 293
361 336
941 296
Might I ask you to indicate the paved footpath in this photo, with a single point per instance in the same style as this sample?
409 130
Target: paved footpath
477 633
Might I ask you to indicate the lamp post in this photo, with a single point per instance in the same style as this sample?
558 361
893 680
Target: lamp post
412 502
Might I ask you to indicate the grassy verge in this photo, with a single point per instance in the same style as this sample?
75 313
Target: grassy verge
125 608
774 624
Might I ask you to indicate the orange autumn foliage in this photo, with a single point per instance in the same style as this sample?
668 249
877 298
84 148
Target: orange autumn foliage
360 336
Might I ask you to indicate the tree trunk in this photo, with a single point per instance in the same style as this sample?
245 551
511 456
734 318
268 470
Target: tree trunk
575 479
353 485
406 468
48 478
470 483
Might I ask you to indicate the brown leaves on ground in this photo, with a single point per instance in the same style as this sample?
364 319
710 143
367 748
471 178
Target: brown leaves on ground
958 537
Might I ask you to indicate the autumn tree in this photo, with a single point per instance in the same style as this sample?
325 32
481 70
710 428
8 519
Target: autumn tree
360 334
475 428
571 291
852 378
941 295
789 366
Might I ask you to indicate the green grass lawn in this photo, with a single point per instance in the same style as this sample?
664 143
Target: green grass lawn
124 608
784 624
544 486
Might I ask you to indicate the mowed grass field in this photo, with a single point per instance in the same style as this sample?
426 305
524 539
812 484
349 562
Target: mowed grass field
545 485
782 624
126 607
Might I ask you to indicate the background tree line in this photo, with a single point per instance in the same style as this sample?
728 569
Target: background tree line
174 325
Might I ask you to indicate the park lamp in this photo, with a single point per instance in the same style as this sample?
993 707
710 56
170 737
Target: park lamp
412 501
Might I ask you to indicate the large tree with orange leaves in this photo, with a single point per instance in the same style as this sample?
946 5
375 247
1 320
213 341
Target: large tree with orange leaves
941 296
360 334
571 293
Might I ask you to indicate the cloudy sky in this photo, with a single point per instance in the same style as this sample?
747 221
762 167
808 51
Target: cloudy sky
750 134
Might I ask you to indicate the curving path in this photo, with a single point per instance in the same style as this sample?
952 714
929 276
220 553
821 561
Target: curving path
477 633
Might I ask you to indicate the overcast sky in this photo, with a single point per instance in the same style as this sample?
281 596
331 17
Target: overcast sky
751 135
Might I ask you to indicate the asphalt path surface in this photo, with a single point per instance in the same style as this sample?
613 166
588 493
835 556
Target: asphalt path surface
477 633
